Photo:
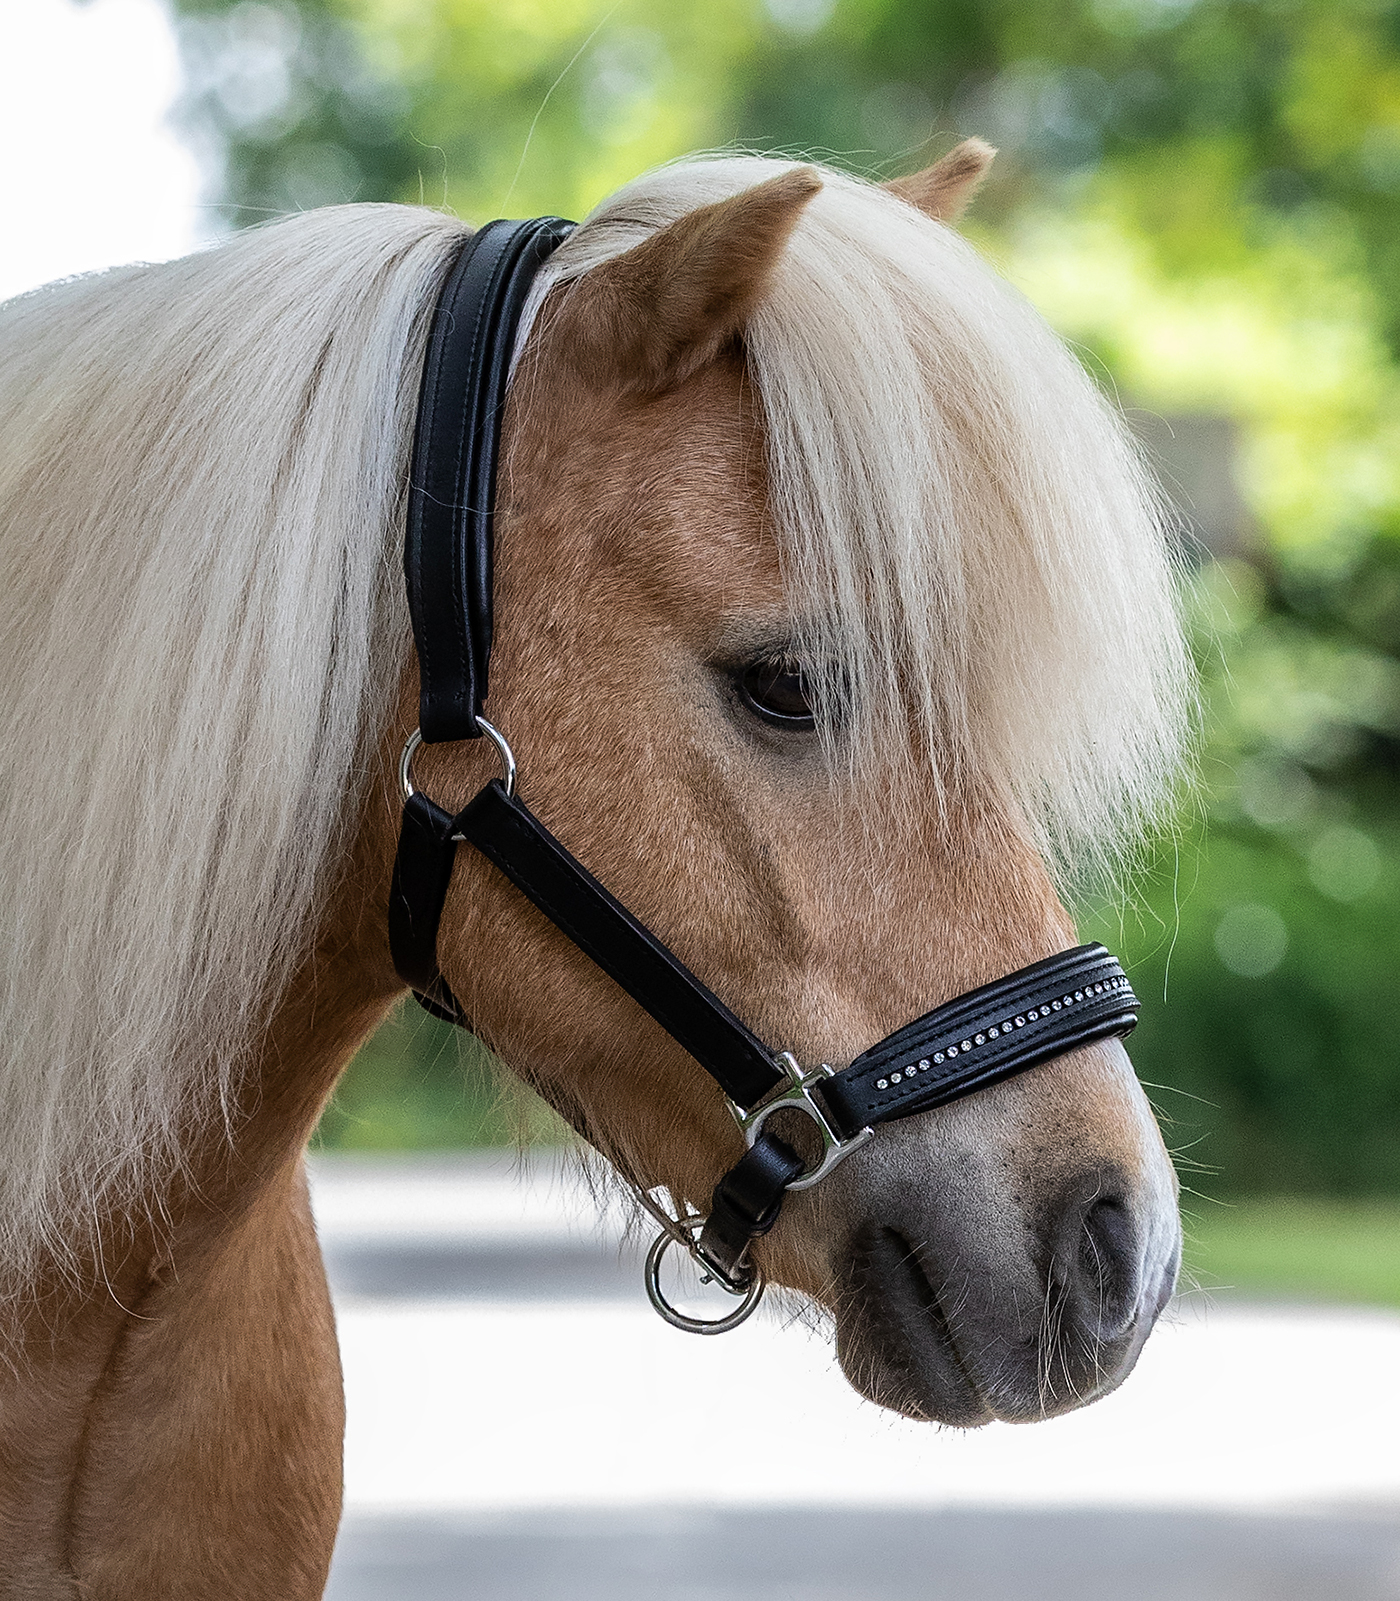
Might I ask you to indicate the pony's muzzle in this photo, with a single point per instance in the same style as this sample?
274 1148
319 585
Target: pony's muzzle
1021 1286
928 1330
1103 1272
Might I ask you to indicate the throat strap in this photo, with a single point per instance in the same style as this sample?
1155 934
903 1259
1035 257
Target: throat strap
422 872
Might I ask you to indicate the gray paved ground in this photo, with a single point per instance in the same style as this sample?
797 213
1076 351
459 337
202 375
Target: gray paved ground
801 1555
530 1270
690 1553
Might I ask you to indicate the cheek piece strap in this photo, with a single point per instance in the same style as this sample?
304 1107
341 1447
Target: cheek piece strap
978 1039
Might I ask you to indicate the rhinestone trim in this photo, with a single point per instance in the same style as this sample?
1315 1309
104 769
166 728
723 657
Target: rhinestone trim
1006 1026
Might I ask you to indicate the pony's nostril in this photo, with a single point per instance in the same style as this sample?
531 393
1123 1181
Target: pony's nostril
1107 1235
1100 1261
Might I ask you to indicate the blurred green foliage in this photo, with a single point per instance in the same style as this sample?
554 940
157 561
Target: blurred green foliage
1287 1247
1204 195
423 1085
1265 938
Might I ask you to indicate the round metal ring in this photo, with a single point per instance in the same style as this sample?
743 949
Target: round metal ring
752 1293
497 738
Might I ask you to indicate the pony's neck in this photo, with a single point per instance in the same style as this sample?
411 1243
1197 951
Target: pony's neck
199 1350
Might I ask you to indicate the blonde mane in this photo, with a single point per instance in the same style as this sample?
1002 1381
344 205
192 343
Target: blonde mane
968 532
202 624
201 630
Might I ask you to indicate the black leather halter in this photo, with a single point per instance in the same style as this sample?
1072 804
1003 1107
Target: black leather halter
980 1038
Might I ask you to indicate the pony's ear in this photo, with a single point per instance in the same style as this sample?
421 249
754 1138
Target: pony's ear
944 190
650 317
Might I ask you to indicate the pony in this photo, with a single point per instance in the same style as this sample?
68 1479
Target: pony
769 425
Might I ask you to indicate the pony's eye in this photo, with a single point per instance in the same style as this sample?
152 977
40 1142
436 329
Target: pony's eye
778 692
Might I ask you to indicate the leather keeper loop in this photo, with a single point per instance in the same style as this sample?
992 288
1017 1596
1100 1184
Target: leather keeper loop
747 1200
422 873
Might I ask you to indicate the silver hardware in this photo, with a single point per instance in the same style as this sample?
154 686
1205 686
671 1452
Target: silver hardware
507 755
685 1233
798 1098
680 1232
415 739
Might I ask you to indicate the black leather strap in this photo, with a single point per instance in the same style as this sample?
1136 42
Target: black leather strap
511 836
452 483
447 553
422 872
991 1033
746 1202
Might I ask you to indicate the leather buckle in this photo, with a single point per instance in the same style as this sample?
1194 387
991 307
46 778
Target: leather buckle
797 1097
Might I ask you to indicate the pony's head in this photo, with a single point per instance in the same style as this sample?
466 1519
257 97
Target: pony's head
833 627
830 607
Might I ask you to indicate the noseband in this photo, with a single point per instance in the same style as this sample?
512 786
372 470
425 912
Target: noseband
980 1038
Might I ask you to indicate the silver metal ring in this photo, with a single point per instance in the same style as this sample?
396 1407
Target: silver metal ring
507 755
752 1293
497 738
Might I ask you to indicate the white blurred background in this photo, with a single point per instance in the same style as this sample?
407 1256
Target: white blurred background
91 171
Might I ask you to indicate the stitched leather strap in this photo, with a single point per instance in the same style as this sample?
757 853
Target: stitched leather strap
422 872
746 1202
447 554
991 1033
452 483
509 834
